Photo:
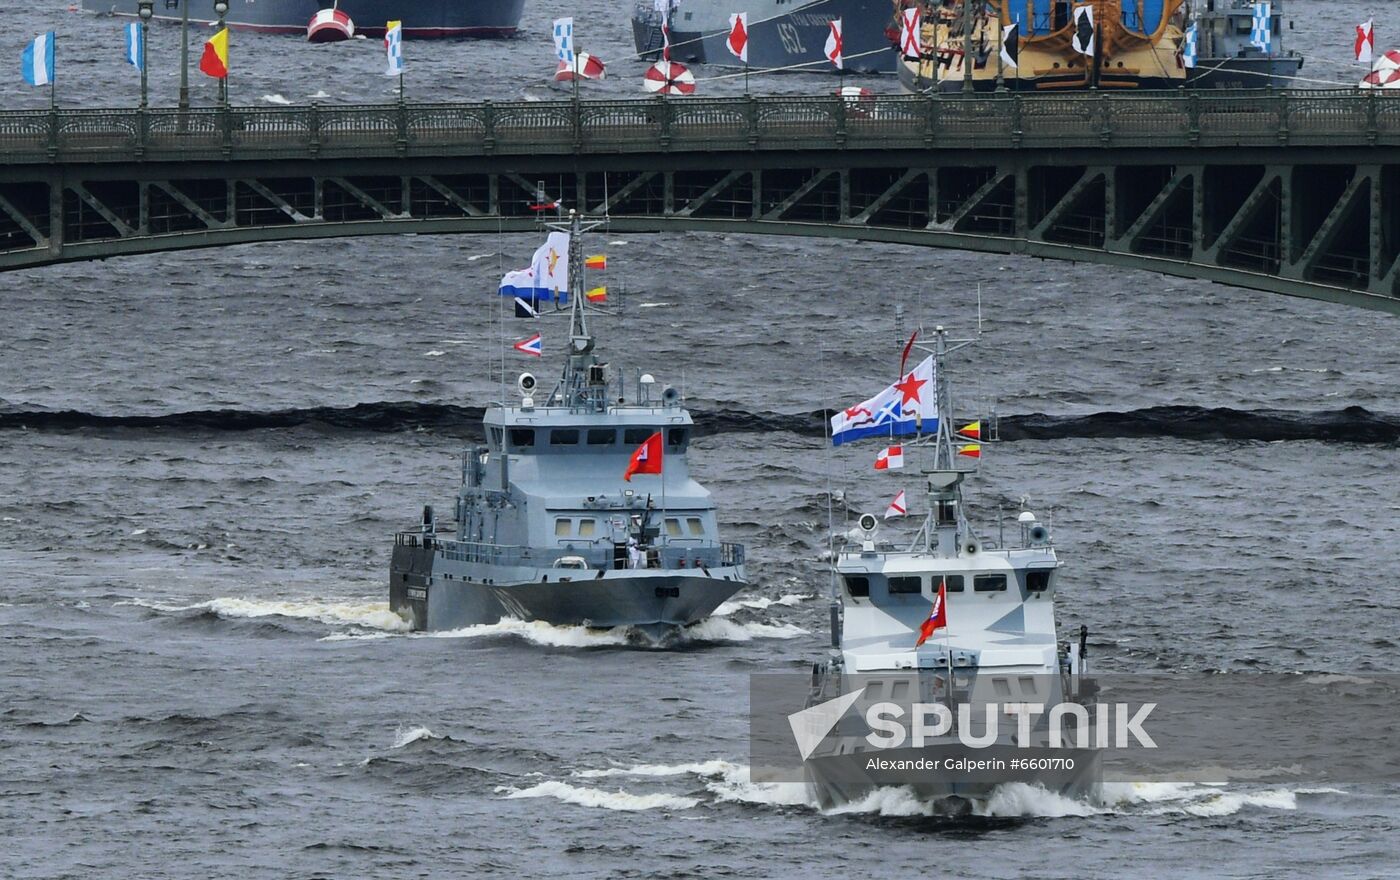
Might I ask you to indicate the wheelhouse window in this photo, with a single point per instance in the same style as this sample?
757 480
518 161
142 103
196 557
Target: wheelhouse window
695 526
676 438
1037 581
989 583
601 437
673 527
636 436
858 585
954 582
563 437
587 528
563 528
522 438
906 585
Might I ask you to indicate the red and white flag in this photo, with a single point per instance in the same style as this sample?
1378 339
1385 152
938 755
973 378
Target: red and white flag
1366 41
738 41
937 616
891 458
834 46
534 346
896 507
647 458
909 39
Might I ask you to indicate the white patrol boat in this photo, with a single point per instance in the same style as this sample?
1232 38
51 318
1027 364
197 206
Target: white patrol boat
945 616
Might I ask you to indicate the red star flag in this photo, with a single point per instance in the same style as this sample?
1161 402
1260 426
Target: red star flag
647 458
891 458
937 616
909 406
897 507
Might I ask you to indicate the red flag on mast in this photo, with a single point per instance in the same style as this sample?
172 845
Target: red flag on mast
937 617
647 458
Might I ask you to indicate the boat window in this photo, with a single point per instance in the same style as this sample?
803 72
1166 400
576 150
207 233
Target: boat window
1037 581
954 582
601 436
1002 687
1027 685
673 527
587 528
857 586
906 585
563 437
676 437
989 583
496 434
563 528
637 436
899 689
522 438
696 527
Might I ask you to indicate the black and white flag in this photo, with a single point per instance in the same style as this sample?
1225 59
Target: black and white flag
527 308
1084 30
1011 44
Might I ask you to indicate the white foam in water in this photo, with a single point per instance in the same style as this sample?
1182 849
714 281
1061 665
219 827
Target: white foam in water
365 613
539 633
719 629
474 257
407 735
760 603
1020 799
318 94
435 353
704 768
607 800
888 802
277 99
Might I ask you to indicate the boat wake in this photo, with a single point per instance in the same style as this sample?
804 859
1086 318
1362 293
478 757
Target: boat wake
364 614
725 782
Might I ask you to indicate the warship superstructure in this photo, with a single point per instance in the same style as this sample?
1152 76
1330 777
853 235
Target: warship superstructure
1131 45
995 598
1227 58
548 527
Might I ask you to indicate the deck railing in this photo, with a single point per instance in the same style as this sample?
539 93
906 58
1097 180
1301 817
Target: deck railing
1258 118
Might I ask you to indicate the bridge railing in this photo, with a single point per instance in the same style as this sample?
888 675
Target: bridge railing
997 121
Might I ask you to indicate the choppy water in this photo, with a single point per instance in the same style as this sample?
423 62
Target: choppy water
201 677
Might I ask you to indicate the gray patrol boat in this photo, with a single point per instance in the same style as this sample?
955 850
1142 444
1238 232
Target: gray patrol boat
996 644
547 528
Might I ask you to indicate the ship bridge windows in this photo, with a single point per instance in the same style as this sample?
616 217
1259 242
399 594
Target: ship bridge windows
989 583
954 582
858 586
676 439
678 527
602 437
636 436
1038 580
906 585
695 526
570 527
522 438
563 437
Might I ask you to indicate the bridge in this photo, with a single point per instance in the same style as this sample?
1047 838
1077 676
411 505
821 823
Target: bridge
1294 192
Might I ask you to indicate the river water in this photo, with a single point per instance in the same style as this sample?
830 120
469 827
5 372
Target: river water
201 676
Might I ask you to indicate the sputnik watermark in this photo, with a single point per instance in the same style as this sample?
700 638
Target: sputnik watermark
1068 725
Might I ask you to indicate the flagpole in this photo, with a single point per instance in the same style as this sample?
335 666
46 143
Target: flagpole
53 75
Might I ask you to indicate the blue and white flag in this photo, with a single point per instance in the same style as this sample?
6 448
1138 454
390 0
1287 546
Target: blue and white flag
1262 33
1190 49
393 46
564 40
909 406
37 60
135 51
520 284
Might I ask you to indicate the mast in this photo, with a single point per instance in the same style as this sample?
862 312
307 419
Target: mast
946 531
584 384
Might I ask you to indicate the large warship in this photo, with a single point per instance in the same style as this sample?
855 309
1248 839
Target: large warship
996 641
421 18
579 509
783 34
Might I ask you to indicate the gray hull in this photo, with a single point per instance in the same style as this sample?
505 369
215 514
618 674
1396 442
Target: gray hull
1245 73
438 593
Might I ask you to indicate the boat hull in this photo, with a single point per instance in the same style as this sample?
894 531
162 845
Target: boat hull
779 38
435 592
422 18
1245 73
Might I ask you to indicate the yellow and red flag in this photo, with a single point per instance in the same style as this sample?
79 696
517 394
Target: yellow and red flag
597 294
599 261
973 430
215 59
971 450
